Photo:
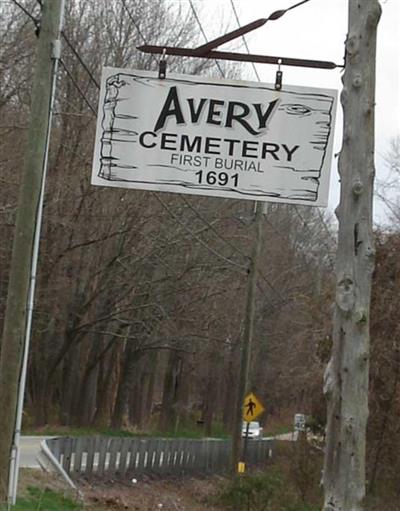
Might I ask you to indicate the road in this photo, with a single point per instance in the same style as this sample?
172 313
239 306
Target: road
30 447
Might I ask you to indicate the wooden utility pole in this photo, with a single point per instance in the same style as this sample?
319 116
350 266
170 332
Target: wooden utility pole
346 377
247 339
29 210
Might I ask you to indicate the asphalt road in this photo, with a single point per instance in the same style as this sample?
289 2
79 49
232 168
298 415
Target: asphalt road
30 447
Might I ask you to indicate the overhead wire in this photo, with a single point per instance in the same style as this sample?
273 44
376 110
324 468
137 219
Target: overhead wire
70 45
76 85
94 112
244 38
212 228
136 25
276 15
204 35
95 82
192 234
25 10
81 61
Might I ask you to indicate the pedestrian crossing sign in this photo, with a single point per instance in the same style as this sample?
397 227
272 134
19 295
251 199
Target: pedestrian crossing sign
252 408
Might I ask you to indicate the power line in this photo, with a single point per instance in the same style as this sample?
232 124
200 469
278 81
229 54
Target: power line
136 25
236 249
242 268
212 228
74 82
244 39
204 34
133 21
276 15
75 52
23 9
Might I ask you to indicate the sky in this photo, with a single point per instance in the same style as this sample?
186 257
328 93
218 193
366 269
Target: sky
317 30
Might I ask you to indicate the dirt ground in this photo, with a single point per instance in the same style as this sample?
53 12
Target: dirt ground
143 494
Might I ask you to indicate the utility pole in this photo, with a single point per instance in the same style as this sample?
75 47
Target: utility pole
17 321
346 377
247 339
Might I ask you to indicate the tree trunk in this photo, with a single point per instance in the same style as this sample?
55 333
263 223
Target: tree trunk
70 383
131 357
85 401
346 377
210 405
136 399
151 375
168 413
106 382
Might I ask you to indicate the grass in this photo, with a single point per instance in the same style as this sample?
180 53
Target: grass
184 432
277 430
189 430
45 500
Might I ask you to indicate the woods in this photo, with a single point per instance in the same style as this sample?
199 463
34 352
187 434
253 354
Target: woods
141 296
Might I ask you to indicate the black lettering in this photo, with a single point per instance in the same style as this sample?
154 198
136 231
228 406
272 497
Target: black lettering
247 147
212 143
238 116
142 141
195 113
231 144
290 152
271 149
239 165
195 145
212 117
263 117
171 107
168 138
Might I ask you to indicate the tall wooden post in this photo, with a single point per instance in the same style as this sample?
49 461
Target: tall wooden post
247 339
29 207
346 377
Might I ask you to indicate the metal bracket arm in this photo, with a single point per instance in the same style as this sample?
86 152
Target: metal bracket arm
240 57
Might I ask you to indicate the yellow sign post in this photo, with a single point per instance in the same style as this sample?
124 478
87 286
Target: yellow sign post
252 408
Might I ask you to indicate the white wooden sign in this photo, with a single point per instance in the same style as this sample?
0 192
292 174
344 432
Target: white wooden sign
222 138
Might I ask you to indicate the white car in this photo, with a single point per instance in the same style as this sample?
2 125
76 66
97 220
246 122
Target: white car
255 430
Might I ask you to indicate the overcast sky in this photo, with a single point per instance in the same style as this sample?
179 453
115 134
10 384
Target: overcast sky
317 30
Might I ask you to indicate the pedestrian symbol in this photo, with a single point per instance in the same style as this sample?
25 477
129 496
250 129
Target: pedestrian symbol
250 405
252 408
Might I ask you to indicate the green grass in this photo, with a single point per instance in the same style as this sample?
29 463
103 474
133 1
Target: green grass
75 431
188 431
278 430
45 500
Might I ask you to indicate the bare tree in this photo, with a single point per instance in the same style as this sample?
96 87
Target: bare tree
346 378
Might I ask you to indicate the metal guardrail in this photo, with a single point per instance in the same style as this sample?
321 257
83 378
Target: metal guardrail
124 457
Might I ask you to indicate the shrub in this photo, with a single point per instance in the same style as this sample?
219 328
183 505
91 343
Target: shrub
252 492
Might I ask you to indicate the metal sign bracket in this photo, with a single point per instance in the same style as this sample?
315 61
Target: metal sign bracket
208 51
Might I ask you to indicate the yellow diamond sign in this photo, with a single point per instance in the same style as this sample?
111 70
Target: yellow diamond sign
252 408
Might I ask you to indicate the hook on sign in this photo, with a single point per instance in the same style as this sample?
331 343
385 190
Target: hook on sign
278 77
162 69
